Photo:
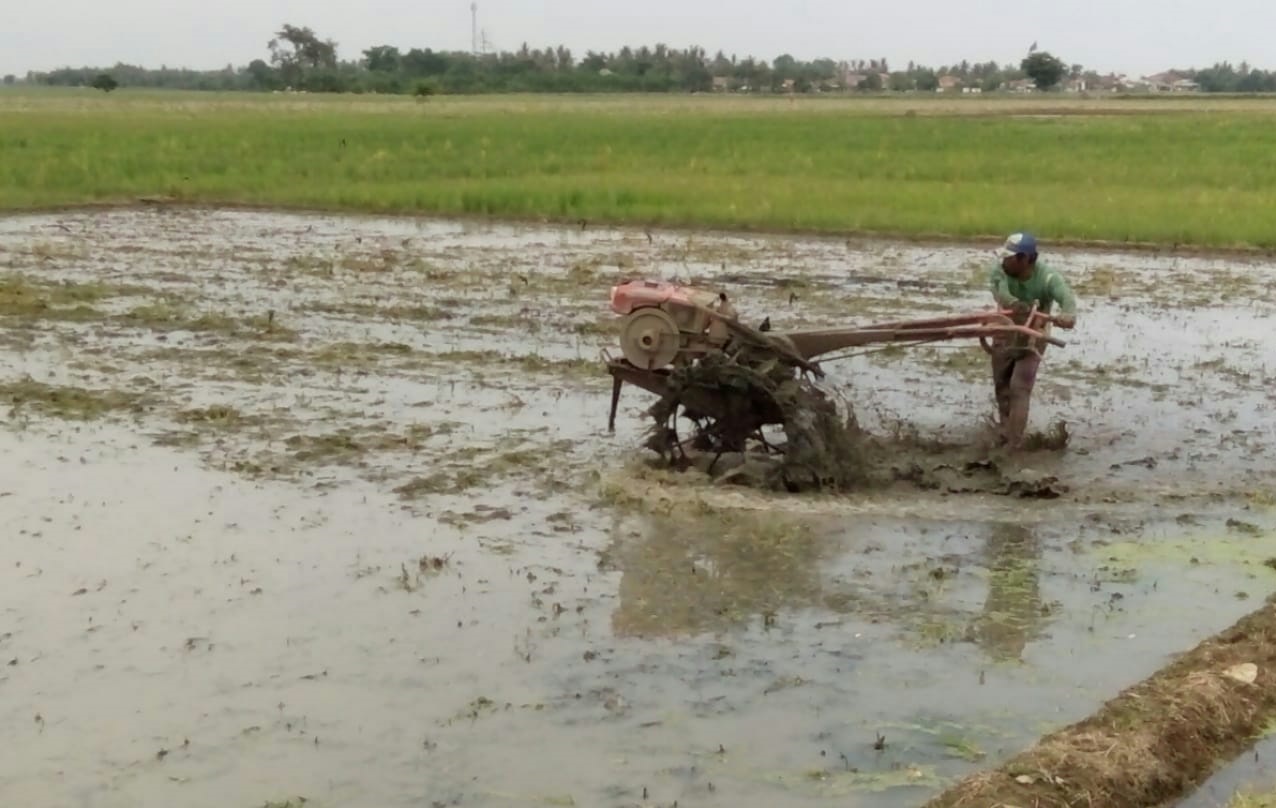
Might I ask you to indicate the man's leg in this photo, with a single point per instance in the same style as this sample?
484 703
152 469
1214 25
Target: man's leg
1022 380
1003 366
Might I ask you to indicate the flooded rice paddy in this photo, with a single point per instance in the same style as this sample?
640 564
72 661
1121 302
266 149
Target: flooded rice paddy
326 508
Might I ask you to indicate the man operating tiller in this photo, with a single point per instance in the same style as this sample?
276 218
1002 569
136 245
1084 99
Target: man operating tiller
1019 284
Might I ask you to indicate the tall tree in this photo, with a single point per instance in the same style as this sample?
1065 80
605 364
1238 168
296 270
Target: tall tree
382 58
1044 69
721 66
419 63
297 52
871 83
593 62
263 76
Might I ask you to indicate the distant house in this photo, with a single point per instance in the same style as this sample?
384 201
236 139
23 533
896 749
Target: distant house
789 85
1074 86
1021 86
721 84
1111 83
948 84
854 80
1171 81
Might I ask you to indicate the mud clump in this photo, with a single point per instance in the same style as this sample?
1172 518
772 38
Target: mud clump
1054 439
957 472
820 447
473 471
1155 742
166 317
215 415
70 403
30 299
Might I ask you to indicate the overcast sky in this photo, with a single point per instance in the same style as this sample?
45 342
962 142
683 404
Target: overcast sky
1132 36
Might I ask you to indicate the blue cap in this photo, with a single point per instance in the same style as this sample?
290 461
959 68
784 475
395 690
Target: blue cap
1018 244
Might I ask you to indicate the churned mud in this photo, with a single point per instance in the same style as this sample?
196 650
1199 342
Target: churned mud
326 508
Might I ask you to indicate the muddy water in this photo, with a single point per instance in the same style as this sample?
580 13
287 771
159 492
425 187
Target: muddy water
1252 774
357 531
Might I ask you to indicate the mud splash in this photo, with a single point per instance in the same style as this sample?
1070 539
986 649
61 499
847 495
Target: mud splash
825 454
818 451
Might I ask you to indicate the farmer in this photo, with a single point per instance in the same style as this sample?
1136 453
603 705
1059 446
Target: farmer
1017 283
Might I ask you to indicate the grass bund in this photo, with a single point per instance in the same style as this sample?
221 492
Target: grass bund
1155 742
1197 172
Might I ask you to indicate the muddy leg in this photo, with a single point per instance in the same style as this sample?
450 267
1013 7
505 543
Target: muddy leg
1022 380
1003 366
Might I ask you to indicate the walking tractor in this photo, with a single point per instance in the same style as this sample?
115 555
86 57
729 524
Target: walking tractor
687 346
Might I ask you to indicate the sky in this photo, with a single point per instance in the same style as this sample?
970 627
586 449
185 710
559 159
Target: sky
1137 37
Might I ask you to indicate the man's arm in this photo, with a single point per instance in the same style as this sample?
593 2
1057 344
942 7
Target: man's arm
1000 289
1062 293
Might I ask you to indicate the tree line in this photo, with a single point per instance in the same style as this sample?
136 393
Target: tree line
298 59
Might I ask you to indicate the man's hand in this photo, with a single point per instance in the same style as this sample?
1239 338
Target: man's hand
1066 321
1019 311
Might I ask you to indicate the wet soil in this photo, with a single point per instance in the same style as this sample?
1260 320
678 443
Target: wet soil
324 507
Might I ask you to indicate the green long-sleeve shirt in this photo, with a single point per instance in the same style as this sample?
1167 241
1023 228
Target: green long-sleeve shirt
1045 287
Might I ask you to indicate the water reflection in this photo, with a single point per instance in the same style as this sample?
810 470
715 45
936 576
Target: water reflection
690 574
1013 612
